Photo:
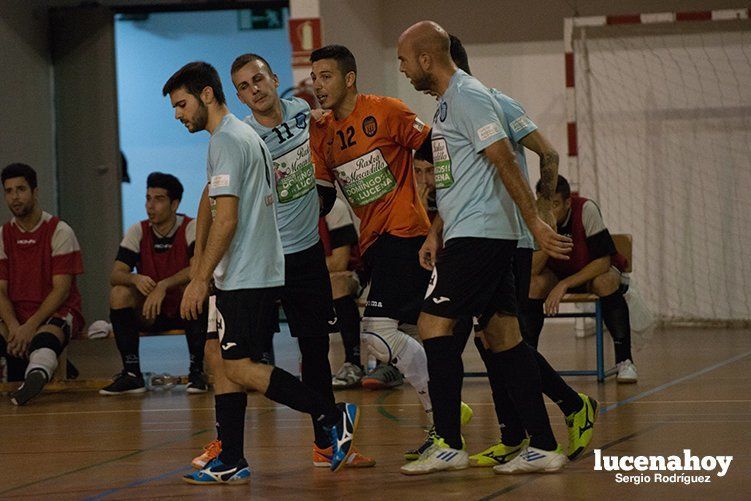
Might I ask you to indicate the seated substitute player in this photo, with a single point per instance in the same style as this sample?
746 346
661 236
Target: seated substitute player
595 266
470 250
365 144
306 297
339 237
40 306
160 249
238 244
579 410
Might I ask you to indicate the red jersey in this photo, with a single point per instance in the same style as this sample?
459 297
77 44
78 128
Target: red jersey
29 260
369 153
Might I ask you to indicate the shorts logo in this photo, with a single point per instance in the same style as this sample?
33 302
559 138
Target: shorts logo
300 120
374 304
369 126
432 283
219 325
442 299
227 346
488 131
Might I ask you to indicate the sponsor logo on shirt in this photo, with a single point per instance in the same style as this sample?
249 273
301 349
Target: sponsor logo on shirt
220 181
521 123
418 124
444 178
300 120
369 126
487 131
26 241
366 178
294 173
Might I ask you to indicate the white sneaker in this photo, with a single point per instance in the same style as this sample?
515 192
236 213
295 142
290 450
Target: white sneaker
347 376
626 372
533 460
437 457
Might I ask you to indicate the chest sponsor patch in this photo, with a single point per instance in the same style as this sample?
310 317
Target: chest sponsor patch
365 179
521 123
487 131
294 174
444 178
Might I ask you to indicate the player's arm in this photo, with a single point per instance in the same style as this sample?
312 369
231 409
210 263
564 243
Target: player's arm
594 269
538 143
7 313
503 158
339 259
127 259
203 225
433 243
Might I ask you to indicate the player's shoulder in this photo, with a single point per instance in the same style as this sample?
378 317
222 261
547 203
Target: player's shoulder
319 128
383 104
295 105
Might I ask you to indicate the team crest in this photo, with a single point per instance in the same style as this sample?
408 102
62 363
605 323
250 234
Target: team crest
369 126
443 111
300 120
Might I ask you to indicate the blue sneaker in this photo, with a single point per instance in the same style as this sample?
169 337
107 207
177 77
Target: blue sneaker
218 473
343 434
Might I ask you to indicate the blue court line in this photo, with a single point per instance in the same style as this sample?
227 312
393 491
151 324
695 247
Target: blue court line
621 403
106 493
674 382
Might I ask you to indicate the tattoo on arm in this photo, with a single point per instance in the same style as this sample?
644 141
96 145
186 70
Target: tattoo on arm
548 174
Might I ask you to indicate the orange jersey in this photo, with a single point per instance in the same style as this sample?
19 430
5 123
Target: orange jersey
369 153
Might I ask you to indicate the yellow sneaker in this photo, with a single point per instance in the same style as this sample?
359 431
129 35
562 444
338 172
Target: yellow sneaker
211 451
322 459
497 454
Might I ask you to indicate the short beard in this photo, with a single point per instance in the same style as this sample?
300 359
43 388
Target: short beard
201 119
424 82
23 211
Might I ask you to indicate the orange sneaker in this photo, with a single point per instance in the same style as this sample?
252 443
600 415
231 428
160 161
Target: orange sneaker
211 451
322 459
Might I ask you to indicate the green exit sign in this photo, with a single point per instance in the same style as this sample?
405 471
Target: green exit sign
260 19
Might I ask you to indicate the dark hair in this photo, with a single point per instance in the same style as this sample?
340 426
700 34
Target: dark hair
241 61
425 152
459 55
168 182
20 170
195 77
561 187
340 54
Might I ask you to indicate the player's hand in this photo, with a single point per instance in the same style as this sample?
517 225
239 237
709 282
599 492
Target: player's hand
423 190
318 113
429 251
152 307
193 299
21 339
144 284
554 245
553 301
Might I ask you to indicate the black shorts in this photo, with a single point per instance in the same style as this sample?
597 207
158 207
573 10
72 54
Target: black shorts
242 320
473 277
306 293
397 281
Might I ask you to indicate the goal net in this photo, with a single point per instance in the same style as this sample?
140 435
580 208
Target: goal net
663 126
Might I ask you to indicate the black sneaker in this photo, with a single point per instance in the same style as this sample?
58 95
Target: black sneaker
31 387
197 383
125 382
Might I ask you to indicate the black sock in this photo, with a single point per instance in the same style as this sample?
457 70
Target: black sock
445 370
616 317
522 377
534 319
512 429
349 326
216 424
195 335
462 330
230 418
125 325
316 375
556 388
286 389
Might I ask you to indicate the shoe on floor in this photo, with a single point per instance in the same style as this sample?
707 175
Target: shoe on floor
348 376
197 383
210 452
414 454
31 387
216 473
382 377
580 426
533 460
322 458
125 382
499 453
343 434
438 457
626 372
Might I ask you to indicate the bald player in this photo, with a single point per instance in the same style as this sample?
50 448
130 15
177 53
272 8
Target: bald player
470 250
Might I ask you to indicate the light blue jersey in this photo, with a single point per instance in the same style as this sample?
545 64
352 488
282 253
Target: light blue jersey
239 165
471 198
517 125
297 200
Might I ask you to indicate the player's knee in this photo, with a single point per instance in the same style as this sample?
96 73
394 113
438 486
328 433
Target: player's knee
502 333
211 354
46 339
121 297
381 337
606 284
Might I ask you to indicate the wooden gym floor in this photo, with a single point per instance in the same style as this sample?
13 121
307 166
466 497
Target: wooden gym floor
693 393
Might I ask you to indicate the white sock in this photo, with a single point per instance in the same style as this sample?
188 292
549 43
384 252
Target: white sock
42 358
